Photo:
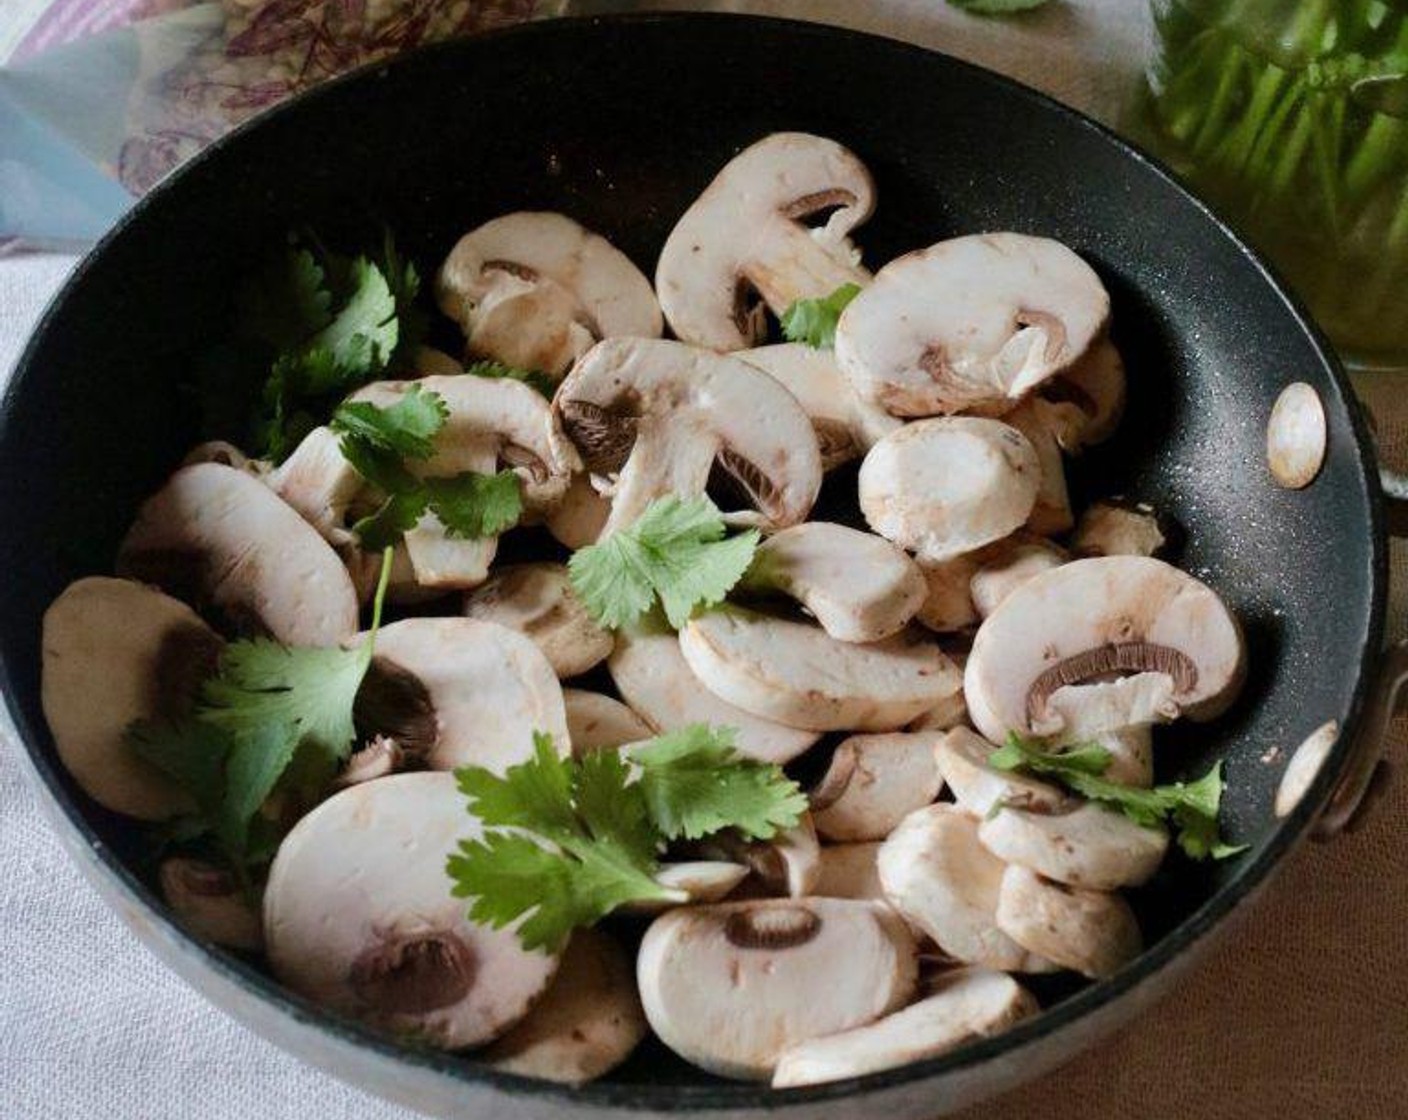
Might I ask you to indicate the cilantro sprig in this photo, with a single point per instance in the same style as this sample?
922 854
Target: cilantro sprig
1191 807
676 550
813 321
567 841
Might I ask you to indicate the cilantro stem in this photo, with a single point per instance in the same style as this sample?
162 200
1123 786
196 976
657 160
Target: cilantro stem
383 581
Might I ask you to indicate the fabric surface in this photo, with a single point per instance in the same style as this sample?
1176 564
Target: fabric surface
1303 1013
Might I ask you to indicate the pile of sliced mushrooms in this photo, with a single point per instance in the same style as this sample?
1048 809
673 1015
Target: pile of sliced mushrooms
897 920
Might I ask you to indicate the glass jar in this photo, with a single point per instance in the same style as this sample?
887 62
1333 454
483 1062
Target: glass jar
1291 117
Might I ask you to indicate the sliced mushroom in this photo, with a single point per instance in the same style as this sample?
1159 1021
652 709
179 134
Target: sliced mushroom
210 904
653 677
222 541
380 757
849 871
585 1024
1047 652
1119 528
1048 427
1086 846
358 917
948 601
860 587
1091 932
980 788
319 482
478 691
535 290
787 864
1008 569
935 872
948 713
227 455
975 322
881 780
945 487
1296 436
703 880
537 600
1131 751
1095 385
846 426
730 987
662 413
799 676
746 233
115 652
579 518
1304 765
966 1004
596 722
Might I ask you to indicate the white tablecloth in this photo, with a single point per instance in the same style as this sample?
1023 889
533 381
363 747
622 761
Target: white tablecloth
1306 1017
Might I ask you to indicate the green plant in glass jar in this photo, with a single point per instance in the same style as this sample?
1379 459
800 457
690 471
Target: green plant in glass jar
1291 116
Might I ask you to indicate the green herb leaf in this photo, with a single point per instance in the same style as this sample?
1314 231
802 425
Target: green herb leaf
695 783
676 550
813 321
534 379
996 7
395 517
362 335
286 302
473 505
406 428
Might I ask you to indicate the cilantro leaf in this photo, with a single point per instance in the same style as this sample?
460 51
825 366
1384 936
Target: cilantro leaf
286 302
534 379
405 427
813 321
472 505
191 754
395 517
695 783
996 7
362 335
676 550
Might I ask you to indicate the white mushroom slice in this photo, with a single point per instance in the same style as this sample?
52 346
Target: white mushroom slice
1067 630
1304 765
380 757
585 1024
358 917
746 234
948 713
1118 528
704 880
945 487
1045 425
730 987
1093 932
881 779
1296 436
319 483
596 722
210 904
537 600
486 690
222 540
800 676
846 426
653 677
1011 567
579 518
1095 385
115 652
979 788
860 587
535 289
948 602
935 872
1088 846
662 413
787 864
849 871
1131 752
227 455
966 1004
973 322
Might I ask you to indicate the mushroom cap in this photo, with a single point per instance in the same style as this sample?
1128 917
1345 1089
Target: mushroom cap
860 587
846 426
1296 435
489 689
115 652
579 518
210 904
977 321
219 538
538 601
979 788
935 872
1117 528
662 413
966 1003
945 487
358 917
1046 426
526 323
849 871
597 722
885 778
800 676
948 605
585 1024
1091 932
1008 569
730 987
1095 385
1034 658
1088 846
651 674
746 232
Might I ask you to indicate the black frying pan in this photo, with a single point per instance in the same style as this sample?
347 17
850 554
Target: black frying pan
620 123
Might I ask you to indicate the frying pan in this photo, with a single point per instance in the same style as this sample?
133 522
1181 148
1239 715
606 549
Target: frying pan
620 122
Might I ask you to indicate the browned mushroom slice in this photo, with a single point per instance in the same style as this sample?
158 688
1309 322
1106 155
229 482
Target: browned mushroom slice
661 414
358 918
537 600
976 322
747 233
